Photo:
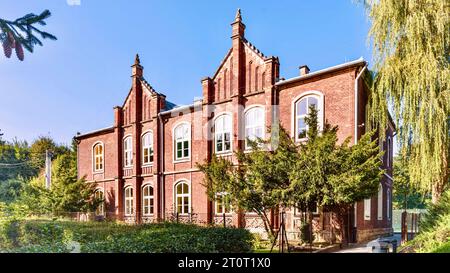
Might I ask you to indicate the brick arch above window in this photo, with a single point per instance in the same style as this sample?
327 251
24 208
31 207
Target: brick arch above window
98 157
297 112
182 196
223 132
181 137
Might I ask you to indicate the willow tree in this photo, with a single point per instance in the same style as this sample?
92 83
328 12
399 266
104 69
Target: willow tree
411 59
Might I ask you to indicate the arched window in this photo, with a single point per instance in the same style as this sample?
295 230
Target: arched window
388 152
129 201
388 204
182 135
380 203
147 200
182 198
367 208
222 139
127 152
147 148
254 125
301 111
98 157
101 207
223 203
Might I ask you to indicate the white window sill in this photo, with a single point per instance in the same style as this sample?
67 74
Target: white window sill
182 160
221 214
226 153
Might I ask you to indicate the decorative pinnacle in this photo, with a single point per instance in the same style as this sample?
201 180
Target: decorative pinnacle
238 17
136 59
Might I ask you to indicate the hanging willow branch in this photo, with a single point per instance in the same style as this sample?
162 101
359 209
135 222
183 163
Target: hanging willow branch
411 53
21 33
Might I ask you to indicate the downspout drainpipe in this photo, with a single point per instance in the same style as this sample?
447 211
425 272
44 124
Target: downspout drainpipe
356 130
356 102
161 163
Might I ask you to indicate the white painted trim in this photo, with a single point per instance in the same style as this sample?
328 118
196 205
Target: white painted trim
175 184
149 184
356 102
388 204
100 189
142 147
247 109
174 150
367 209
322 71
380 202
125 200
123 151
230 115
320 116
388 152
102 170
215 205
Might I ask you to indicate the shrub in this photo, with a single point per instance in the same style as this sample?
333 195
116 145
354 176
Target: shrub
434 235
40 235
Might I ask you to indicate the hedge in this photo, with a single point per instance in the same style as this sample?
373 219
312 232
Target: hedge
43 235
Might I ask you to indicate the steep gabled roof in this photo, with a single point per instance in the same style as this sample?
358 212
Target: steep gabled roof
253 48
224 60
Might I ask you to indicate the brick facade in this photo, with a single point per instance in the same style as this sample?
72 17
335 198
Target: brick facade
245 79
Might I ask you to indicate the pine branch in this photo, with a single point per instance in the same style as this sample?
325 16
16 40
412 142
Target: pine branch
21 33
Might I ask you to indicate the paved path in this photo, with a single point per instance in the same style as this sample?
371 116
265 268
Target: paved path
362 248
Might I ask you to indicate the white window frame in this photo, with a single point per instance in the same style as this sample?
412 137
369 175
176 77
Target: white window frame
388 204
148 200
100 211
222 203
254 126
128 206
182 195
388 152
222 118
95 156
320 115
128 151
149 147
380 203
183 141
367 208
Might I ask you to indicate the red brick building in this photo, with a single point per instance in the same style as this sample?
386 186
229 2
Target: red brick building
145 164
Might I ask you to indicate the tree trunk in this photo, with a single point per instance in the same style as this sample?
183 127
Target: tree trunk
267 226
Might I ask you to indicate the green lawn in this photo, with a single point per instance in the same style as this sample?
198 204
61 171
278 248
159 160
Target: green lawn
44 235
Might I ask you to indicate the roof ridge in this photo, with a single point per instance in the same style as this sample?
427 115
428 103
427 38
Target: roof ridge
253 47
145 82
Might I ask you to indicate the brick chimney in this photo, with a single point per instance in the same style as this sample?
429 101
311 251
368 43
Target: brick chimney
208 92
304 69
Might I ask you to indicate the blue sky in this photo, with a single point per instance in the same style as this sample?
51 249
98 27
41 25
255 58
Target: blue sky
72 84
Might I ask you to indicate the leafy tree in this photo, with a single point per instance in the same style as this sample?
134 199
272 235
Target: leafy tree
404 194
256 184
411 42
67 193
10 189
70 194
40 146
331 175
14 160
21 33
